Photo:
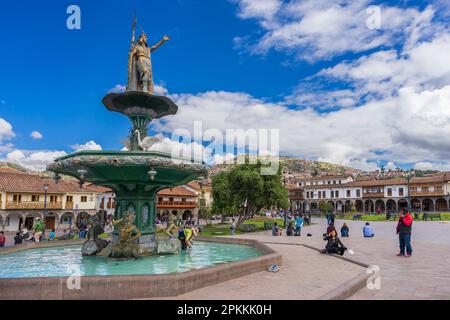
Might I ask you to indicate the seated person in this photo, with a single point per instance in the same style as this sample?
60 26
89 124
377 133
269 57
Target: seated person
368 231
276 230
52 235
290 229
344 230
331 228
18 238
334 244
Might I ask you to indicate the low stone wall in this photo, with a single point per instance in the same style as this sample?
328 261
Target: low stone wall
139 286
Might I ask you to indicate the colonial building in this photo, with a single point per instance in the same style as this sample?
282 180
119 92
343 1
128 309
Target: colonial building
24 197
431 193
178 201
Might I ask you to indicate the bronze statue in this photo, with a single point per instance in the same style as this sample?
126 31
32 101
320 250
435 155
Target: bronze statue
140 76
128 234
94 244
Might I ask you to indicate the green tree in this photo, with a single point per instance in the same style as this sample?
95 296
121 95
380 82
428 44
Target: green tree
325 207
245 191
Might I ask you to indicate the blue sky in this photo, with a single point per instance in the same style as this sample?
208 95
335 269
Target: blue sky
312 69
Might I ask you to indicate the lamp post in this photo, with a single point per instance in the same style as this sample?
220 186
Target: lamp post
45 209
408 178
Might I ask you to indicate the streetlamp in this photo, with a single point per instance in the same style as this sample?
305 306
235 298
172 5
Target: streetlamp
45 209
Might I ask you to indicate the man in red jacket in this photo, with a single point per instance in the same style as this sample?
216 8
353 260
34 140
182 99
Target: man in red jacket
404 228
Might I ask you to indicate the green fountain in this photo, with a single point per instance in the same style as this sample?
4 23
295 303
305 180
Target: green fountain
136 175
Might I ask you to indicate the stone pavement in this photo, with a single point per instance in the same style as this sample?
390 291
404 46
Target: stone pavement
423 276
305 274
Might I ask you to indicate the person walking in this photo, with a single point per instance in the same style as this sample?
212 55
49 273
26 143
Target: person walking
2 239
404 228
38 229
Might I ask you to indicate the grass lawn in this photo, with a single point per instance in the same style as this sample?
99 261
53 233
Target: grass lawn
382 217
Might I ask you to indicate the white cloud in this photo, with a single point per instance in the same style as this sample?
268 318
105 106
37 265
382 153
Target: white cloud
119 88
36 135
321 29
407 128
426 165
390 166
6 130
425 66
90 145
33 160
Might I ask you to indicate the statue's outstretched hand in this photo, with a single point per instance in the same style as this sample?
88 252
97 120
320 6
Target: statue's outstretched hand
166 38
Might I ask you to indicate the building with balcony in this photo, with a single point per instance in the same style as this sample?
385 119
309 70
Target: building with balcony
430 193
25 196
179 201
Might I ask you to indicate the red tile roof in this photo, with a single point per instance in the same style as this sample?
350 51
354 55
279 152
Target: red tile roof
176 191
27 182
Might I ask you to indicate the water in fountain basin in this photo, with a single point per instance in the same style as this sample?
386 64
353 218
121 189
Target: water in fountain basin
66 261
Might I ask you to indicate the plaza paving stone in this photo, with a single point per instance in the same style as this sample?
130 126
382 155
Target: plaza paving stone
305 274
423 276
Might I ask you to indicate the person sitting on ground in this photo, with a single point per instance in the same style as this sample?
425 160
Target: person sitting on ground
368 231
276 230
52 235
18 239
331 228
334 244
290 229
2 239
344 230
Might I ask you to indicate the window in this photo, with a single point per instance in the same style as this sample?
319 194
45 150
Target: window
69 199
329 182
438 188
312 194
389 192
17 198
358 193
349 194
425 189
332 194
83 198
160 199
35 198
340 181
336 193
334 182
320 194
324 194
299 184
400 192
53 198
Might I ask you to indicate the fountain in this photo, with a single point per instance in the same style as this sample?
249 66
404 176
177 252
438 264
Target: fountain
57 269
136 175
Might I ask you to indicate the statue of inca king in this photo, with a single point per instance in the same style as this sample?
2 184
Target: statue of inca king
140 77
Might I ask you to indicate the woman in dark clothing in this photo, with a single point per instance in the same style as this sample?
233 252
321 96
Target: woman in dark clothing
334 244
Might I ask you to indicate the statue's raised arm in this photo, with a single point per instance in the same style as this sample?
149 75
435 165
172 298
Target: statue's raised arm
160 43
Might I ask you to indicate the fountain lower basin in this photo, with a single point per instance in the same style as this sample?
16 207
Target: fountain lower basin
139 286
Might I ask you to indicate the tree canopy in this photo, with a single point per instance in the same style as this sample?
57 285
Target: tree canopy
245 191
